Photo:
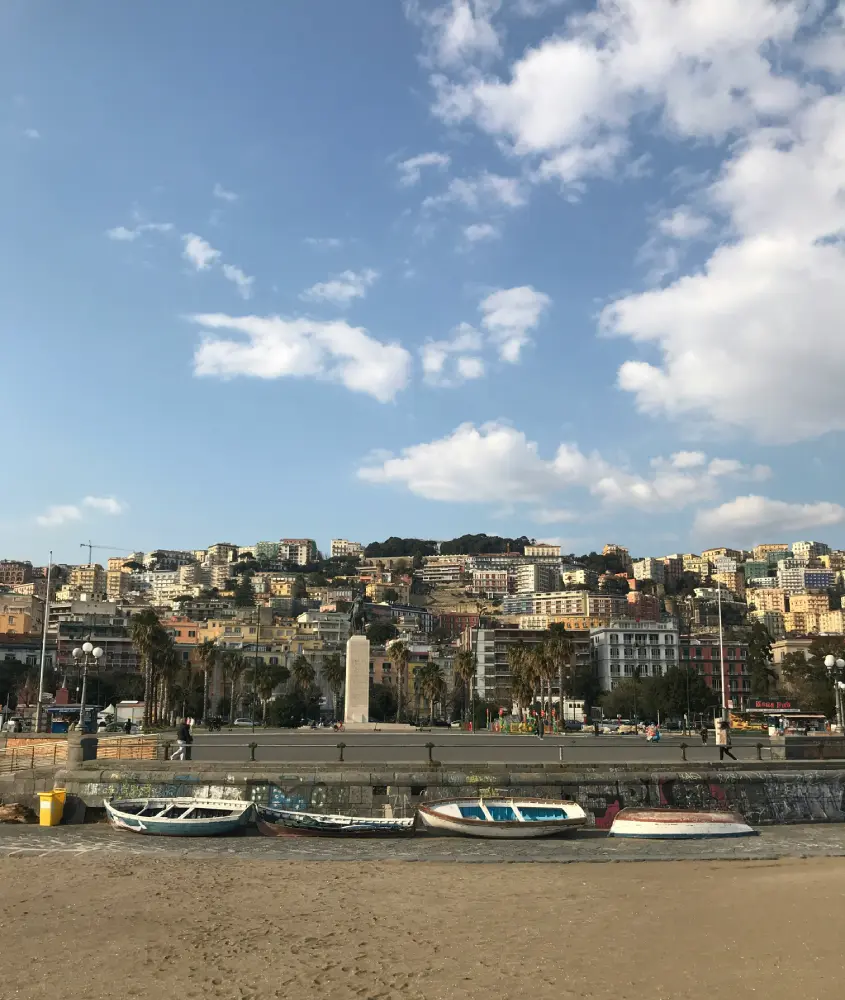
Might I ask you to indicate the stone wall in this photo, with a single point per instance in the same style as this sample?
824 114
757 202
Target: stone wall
807 747
774 794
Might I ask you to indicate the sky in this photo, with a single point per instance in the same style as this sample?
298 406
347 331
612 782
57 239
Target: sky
565 268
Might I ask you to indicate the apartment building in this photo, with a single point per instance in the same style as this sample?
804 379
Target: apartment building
168 559
701 653
733 581
644 607
542 550
793 577
624 649
572 623
492 582
221 553
673 567
802 622
621 553
725 564
768 599
329 626
832 621
833 560
578 577
15 623
20 607
809 550
650 569
764 551
342 548
772 621
456 622
696 564
267 552
299 551
755 569
816 604
537 577
713 554
13 572
440 573
90 579
118 583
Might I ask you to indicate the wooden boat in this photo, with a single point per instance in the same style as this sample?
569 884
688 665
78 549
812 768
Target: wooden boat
179 817
274 822
502 817
673 824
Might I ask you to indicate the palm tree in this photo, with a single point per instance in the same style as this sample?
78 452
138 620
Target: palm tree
234 664
334 672
209 655
302 673
464 667
431 684
522 682
561 651
399 656
147 638
265 678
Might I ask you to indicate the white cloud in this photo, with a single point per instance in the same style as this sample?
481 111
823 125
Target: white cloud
324 242
480 231
121 233
482 191
224 195
688 459
684 224
435 355
549 515
32 133
510 314
126 235
58 515
199 252
243 282
458 30
496 463
106 505
343 288
273 347
410 170
751 519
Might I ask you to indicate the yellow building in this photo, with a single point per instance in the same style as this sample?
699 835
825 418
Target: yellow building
762 551
833 560
816 604
832 621
15 622
733 581
118 583
713 554
767 598
542 622
800 621
90 579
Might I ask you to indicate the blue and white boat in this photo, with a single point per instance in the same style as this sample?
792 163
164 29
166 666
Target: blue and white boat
504 818
179 817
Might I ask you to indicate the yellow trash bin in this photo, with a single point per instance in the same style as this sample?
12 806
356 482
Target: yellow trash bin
52 807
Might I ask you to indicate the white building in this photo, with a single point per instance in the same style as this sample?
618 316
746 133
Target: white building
494 582
573 577
625 648
809 550
440 572
542 549
772 621
341 548
794 576
537 577
650 569
329 626
298 551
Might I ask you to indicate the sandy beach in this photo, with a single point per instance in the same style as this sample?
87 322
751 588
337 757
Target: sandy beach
141 927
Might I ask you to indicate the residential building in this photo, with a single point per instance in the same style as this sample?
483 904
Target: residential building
492 582
833 560
755 568
26 648
733 581
535 577
673 567
809 550
644 607
456 622
790 644
383 590
577 577
701 653
162 585
627 648
794 577
88 579
221 553
816 604
13 572
330 627
542 549
440 573
15 622
611 549
697 564
713 554
650 569
20 607
763 551
116 563
572 623
518 604
772 621
725 564
118 583
267 552
168 559
299 551
768 599
802 622
341 548
832 621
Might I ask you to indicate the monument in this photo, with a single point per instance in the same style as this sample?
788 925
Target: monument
357 702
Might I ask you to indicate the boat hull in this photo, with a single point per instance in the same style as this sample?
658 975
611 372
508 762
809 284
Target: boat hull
678 824
445 817
288 823
129 819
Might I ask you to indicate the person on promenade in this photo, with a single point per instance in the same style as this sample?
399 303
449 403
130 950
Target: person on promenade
725 748
703 734
540 726
127 727
184 741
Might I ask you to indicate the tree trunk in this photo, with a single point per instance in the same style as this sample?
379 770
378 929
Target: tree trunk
205 694
147 718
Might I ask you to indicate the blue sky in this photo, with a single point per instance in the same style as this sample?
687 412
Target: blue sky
369 268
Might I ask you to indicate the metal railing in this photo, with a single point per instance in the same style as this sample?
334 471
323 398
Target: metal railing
26 758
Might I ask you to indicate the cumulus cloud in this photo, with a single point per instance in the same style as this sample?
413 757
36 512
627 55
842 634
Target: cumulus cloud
509 315
450 362
106 505
457 31
480 231
273 347
199 252
129 235
59 514
343 288
410 170
683 224
485 190
751 519
496 463
242 281
224 195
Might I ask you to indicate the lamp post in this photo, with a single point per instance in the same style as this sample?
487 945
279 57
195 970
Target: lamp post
834 668
82 655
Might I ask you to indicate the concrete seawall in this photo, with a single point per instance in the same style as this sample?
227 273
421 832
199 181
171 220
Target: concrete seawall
776 793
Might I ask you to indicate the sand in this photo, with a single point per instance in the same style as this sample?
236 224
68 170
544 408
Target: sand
140 927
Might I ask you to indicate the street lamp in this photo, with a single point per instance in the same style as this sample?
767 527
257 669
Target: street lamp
83 655
834 668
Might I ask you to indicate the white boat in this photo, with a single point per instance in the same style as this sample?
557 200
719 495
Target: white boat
179 817
502 817
274 822
670 824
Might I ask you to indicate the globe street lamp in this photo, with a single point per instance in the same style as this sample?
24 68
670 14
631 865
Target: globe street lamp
834 668
83 655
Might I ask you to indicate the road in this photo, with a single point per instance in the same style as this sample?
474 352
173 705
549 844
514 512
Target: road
454 747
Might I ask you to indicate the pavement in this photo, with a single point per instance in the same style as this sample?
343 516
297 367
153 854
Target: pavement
771 843
455 747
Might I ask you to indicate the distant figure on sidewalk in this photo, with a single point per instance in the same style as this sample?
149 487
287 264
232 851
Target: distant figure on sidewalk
704 734
725 748
184 741
127 727
540 726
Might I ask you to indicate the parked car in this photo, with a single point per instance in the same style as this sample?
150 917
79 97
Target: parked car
243 722
573 725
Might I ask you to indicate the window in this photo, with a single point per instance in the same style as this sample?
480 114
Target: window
655 654
11 619
629 669
614 669
629 637
274 661
614 653
653 639
192 635
629 651
670 640
614 637
670 654
642 653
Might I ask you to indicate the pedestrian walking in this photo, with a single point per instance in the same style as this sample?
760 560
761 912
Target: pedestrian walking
127 727
183 741
703 734
540 726
725 748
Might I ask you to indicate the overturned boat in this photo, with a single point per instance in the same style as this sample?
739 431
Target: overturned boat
669 824
274 822
502 817
179 817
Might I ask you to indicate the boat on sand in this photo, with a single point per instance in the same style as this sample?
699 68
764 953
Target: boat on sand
497 817
274 822
669 823
179 817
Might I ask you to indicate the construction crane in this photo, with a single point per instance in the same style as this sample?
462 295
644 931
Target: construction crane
106 548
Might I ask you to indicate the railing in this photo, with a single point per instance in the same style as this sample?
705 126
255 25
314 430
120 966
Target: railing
127 747
340 747
26 758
